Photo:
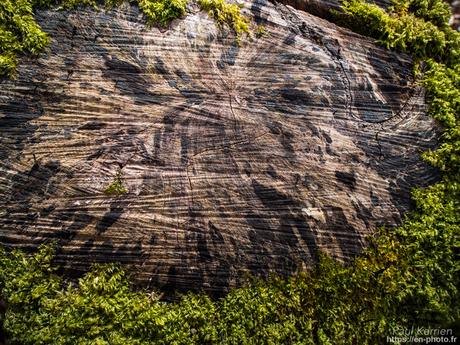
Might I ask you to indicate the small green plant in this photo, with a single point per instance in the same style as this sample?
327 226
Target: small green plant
226 14
116 187
162 11
8 64
260 31
443 89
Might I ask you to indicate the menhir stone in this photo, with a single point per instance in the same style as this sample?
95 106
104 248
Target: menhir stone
237 159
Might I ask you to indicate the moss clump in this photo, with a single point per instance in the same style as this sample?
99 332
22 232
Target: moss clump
443 93
226 14
433 11
260 31
19 33
116 187
162 11
407 31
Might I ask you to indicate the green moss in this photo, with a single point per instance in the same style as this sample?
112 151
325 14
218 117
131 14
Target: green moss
433 11
162 11
19 33
406 31
443 88
116 187
8 64
226 14
260 31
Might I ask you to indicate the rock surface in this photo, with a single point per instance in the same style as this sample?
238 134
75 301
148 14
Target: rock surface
455 19
237 158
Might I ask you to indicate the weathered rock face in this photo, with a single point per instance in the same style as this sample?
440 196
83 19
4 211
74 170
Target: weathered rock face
237 159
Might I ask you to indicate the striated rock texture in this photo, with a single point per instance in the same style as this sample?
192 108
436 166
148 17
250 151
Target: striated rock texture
237 158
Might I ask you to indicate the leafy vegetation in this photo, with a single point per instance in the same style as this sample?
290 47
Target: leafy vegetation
116 187
18 33
443 88
436 12
407 31
260 31
407 276
162 11
226 14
